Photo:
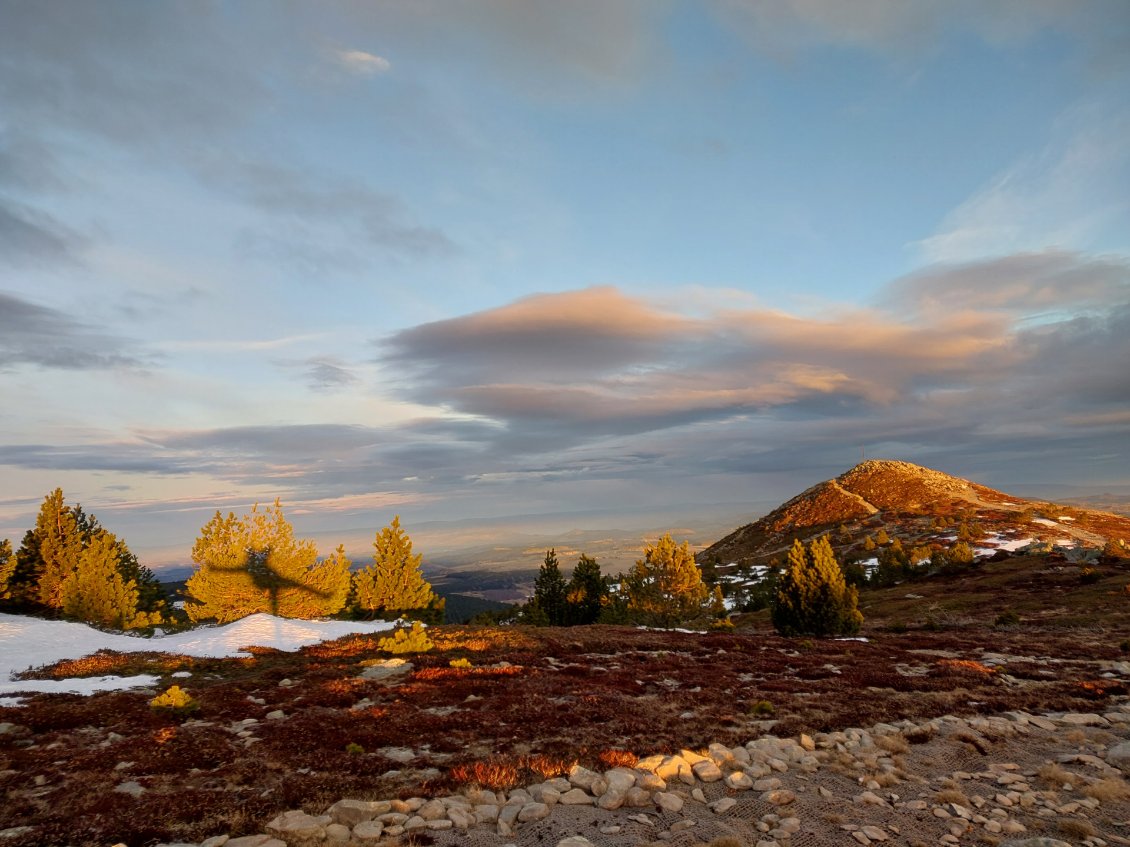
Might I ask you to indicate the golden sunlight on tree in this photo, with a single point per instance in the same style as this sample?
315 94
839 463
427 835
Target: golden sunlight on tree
254 564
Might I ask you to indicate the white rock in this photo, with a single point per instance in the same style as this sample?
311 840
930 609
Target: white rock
668 801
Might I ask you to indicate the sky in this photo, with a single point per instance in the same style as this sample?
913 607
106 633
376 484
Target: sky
472 260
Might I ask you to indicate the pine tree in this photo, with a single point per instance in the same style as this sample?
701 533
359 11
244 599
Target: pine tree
547 606
151 597
586 593
665 587
58 546
869 544
7 569
254 564
882 538
394 585
96 592
812 597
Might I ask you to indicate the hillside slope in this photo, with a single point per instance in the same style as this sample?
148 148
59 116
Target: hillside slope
905 501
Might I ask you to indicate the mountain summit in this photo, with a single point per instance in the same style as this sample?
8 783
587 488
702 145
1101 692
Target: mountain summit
896 496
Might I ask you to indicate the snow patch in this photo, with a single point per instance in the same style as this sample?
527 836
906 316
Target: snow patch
1044 522
27 643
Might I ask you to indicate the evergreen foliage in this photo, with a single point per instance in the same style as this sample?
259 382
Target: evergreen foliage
254 564
59 545
547 607
394 585
665 587
7 569
70 565
175 700
586 593
812 597
404 639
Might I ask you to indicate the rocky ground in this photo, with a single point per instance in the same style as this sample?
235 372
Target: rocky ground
491 711
1015 779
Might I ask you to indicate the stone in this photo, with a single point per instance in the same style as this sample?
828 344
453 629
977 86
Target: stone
353 812
738 781
707 771
1088 719
583 778
860 837
698 796
297 824
669 802
440 824
1042 723
462 817
415 823
255 841
533 812
337 833
1119 756
720 807
807 743
276 715
637 797
780 797
574 841
682 826
1041 841
432 810
768 784
870 799
215 841
650 781
486 813
132 788
874 833
576 797
368 831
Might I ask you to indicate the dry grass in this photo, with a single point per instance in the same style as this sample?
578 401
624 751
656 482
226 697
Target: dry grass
892 743
1057 776
951 795
1111 788
1076 828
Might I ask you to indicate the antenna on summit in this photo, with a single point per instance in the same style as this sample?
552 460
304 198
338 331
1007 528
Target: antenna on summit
863 453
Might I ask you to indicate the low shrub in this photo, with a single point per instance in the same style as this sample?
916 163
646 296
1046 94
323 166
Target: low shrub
175 701
407 640
1007 618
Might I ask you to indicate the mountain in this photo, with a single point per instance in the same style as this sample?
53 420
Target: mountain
918 505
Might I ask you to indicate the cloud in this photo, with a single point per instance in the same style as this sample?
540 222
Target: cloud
28 236
782 26
1069 195
325 373
1026 283
31 334
362 63
310 209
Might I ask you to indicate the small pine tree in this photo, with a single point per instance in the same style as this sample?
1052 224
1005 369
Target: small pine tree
7 569
549 592
394 585
665 587
404 639
96 592
586 593
869 544
960 554
255 564
812 597
882 538
58 544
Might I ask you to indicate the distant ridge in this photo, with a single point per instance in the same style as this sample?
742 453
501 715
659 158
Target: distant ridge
887 494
